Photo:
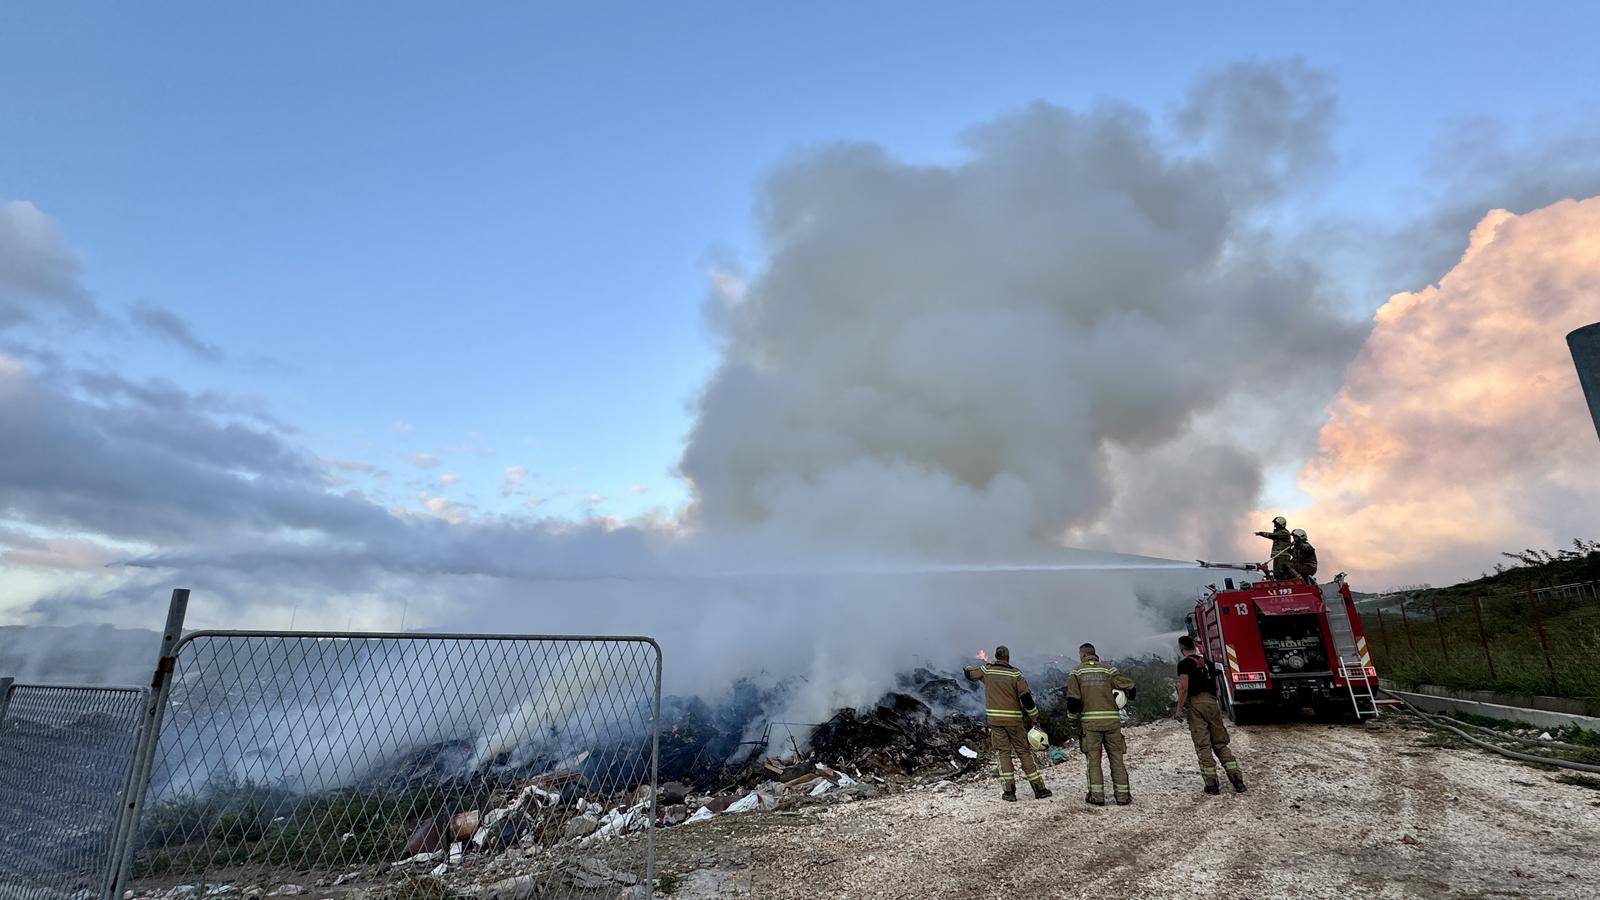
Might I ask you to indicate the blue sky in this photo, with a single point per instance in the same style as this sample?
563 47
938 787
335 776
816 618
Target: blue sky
413 232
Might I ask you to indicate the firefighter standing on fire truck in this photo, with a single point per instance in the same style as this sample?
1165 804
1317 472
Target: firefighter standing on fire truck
1282 541
1009 704
1197 702
1093 705
1303 557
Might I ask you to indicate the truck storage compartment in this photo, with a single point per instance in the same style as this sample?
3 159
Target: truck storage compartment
1293 645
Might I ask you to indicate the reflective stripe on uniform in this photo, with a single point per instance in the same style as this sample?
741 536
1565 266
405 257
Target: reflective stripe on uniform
1004 713
1012 673
1102 714
1231 766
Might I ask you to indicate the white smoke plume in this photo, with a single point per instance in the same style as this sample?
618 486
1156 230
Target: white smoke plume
986 360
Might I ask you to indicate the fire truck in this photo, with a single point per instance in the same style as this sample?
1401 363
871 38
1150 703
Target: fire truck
1281 646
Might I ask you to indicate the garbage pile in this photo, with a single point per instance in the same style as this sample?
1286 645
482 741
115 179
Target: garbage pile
519 832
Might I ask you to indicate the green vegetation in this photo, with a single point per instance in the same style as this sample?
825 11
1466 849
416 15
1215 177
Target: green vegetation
667 884
237 824
1433 635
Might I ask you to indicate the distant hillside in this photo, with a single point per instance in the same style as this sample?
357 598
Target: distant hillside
1530 568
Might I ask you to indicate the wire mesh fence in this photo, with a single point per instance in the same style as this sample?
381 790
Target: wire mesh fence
66 753
287 758
1539 641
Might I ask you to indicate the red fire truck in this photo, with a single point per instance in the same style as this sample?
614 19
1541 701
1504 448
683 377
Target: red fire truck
1284 646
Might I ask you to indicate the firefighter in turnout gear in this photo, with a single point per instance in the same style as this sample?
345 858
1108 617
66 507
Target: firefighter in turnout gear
1303 558
1281 543
1009 704
1197 702
1093 705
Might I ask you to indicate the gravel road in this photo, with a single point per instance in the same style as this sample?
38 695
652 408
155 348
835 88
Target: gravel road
1332 811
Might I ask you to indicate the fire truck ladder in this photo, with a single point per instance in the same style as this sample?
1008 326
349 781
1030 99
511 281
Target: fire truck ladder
1352 665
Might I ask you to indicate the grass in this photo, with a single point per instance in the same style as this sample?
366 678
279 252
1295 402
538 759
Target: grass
1417 648
667 884
239 825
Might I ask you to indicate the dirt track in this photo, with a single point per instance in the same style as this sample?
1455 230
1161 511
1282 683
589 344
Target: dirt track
1332 812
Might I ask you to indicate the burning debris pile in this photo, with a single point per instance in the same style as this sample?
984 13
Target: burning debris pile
575 825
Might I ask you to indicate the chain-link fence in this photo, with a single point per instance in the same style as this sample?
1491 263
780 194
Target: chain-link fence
454 760
66 754
1541 641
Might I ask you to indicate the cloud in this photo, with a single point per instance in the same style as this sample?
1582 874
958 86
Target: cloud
985 356
165 324
449 478
1093 328
639 489
1462 430
39 275
515 475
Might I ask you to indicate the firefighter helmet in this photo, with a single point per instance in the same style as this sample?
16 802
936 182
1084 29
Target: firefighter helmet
1037 739
1299 533
1118 695
1279 521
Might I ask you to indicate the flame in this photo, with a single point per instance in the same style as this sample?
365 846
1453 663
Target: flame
983 656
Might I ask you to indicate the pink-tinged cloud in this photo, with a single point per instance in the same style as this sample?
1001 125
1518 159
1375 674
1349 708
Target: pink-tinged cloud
1461 430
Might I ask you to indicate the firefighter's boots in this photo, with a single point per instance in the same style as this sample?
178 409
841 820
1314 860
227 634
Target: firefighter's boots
1009 795
1040 792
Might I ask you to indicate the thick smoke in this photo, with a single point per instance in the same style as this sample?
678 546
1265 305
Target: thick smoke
1082 333
975 360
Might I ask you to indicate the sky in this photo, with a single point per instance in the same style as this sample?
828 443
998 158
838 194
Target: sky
469 265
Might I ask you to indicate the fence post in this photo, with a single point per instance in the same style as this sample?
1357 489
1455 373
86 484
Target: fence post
655 779
1483 636
1438 625
1544 643
1383 629
5 695
1405 623
145 751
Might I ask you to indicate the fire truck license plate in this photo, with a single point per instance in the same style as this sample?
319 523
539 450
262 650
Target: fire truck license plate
1250 686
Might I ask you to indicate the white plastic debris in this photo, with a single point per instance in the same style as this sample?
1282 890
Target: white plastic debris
702 814
752 801
822 787
968 752
846 780
414 860
440 869
1546 737
348 835
456 851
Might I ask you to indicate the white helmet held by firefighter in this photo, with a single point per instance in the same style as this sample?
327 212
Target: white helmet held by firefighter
1037 739
1120 697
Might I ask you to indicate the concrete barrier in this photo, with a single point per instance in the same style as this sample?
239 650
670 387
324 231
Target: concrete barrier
1432 698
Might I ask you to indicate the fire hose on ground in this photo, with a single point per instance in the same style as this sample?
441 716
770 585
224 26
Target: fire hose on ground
1503 751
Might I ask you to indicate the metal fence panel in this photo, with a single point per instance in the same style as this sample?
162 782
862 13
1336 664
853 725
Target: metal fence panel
1535 641
368 759
65 757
